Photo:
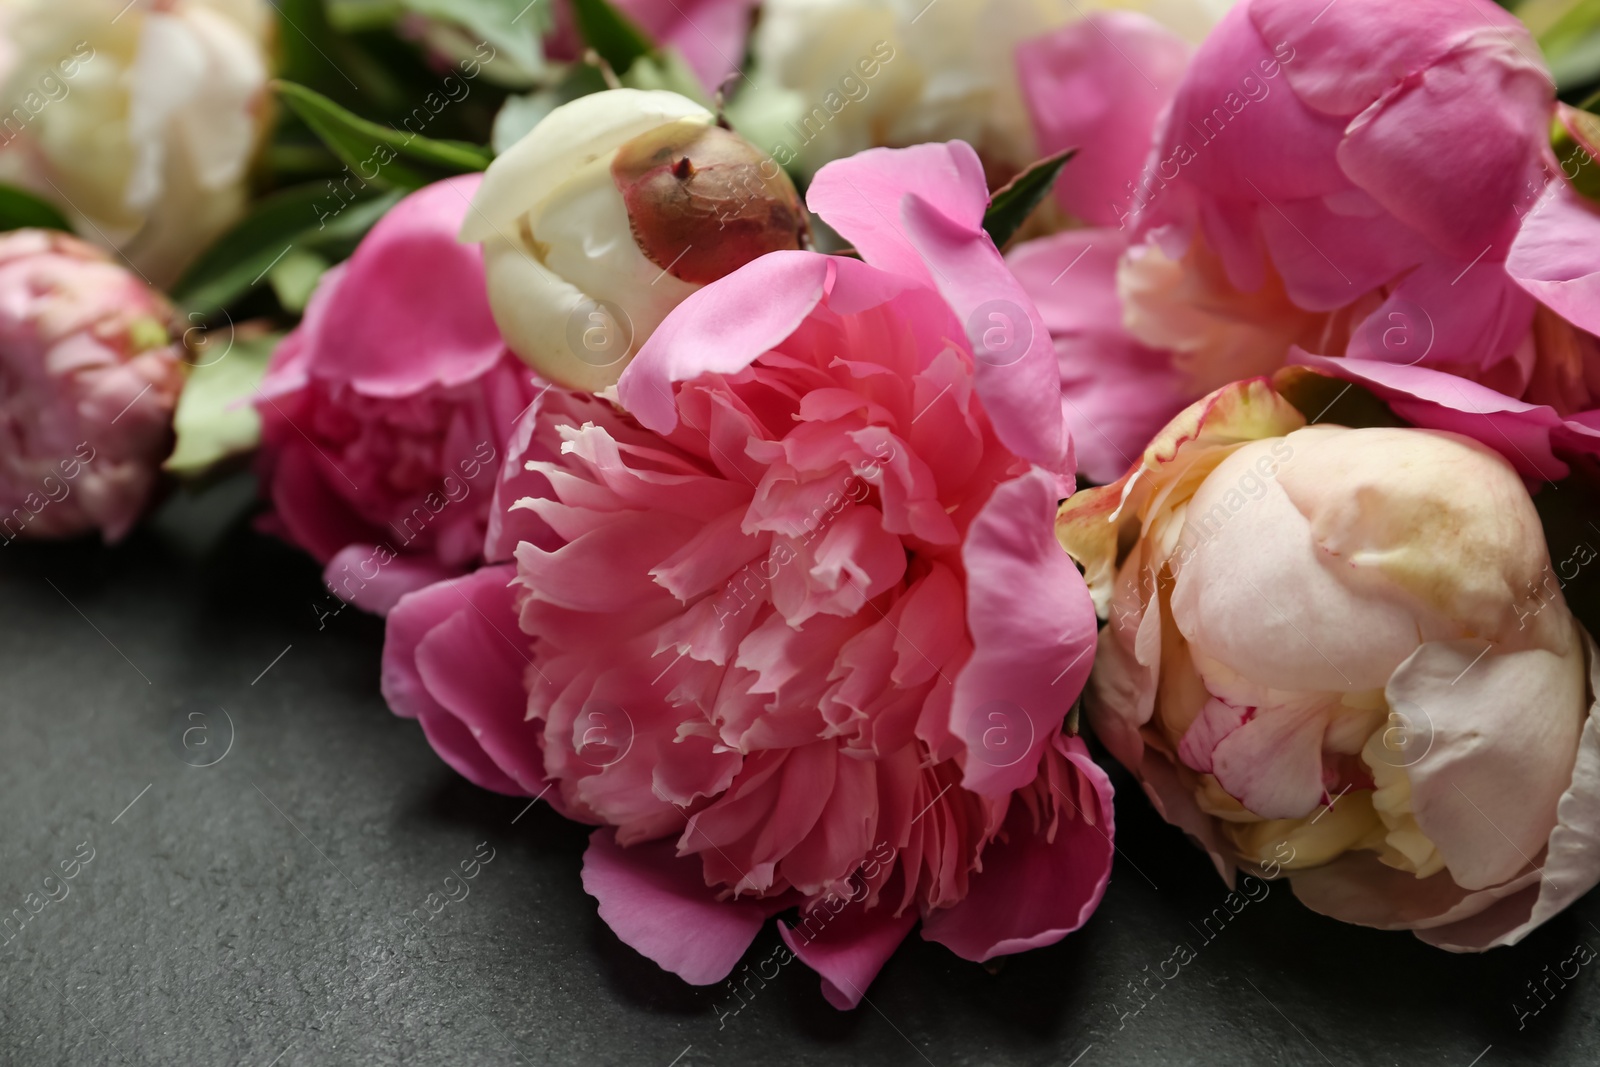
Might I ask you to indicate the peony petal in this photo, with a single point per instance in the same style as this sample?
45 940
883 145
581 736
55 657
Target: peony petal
847 946
1098 85
579 131
1434 400
347 575
1486 788
1033 891
452 716
1033 633
660 906
1554 256
919 211
412 311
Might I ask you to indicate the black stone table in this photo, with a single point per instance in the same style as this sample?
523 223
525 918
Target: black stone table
252 890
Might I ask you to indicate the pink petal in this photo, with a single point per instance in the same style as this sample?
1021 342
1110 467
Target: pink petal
1033 891
1456 148
847 947
723 328
449 660
1033 632
1098 85
1116 392
347 575
1556 255
1435 400
919 211
412 310
660 906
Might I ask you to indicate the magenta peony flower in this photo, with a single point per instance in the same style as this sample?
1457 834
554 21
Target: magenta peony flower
89 378
1344 656
385 414
1304 190
786 620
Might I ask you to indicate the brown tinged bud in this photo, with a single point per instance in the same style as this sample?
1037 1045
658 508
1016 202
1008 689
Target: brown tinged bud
702 201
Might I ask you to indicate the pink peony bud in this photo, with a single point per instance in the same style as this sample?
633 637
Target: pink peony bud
89 377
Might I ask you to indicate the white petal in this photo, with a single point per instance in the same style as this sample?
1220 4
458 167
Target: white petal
571 136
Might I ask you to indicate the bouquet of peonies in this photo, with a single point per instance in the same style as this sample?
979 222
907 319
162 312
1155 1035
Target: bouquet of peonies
783 435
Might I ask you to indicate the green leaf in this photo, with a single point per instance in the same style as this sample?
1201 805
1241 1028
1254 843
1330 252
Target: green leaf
311 217
295 276
377 153
1011 205
1568 32
666 70
20 210
1573 134
515 27
611 33
215 418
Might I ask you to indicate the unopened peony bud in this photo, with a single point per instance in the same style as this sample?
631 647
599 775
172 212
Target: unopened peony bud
702 201
607 215
1342 655
89 376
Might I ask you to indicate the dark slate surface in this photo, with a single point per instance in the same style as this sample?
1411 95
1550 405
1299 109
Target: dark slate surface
254 910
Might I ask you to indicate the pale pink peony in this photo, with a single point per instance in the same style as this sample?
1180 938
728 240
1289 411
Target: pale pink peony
89 378
791 623
385 413
1374 182
1344 656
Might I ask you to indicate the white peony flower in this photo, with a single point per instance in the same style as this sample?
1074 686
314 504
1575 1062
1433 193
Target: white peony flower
138 120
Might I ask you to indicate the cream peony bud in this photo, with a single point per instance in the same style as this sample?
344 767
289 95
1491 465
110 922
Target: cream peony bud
1341 655
610 212
137 120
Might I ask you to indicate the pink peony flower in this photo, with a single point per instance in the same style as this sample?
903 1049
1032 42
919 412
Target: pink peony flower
89 378
1343 656
385 413
1300 191
785 619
